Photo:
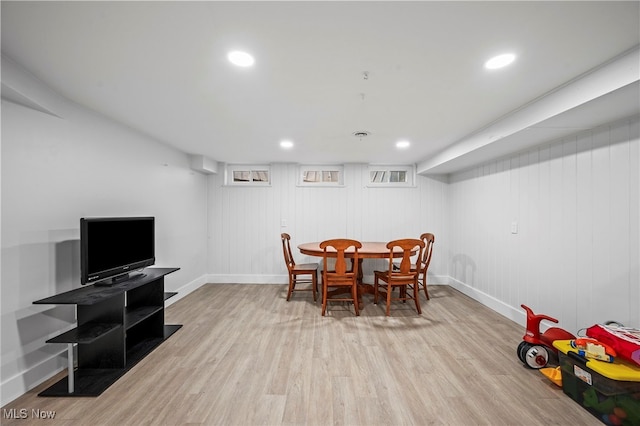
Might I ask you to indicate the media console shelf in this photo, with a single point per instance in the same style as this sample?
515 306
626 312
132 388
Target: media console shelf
117 326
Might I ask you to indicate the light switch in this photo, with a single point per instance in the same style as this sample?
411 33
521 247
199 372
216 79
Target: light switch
514 227
283 223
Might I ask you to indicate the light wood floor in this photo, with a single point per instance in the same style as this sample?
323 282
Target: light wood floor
245 356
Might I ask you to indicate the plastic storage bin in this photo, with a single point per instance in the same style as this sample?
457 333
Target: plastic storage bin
609 391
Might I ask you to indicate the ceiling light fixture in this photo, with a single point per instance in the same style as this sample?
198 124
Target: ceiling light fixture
500 61
241 59
286 144
361 134
402 144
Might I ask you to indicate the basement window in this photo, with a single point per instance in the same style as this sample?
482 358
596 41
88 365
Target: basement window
321 175
390 176
248 175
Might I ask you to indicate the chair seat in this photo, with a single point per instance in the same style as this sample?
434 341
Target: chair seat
401 279
305 267
397 266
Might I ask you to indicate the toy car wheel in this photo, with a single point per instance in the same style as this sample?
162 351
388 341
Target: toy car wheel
522 350
536 356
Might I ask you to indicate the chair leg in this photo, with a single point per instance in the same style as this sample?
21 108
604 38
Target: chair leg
324 297
354 294
291 285
416 296
389 288
424 285
314 280
375 291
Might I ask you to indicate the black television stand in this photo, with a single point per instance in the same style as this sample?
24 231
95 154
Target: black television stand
120 278
118 325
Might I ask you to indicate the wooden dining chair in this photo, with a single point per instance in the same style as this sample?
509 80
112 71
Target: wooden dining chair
428 239
404 276
341 276
298 270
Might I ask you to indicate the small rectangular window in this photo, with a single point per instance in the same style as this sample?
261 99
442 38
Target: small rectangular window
321 175
391 175
242 176
310 176
386 176
247 175
260 176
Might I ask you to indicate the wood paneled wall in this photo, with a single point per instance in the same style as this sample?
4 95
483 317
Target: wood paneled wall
575 255
245 222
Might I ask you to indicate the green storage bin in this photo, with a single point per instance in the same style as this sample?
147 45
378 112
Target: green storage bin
609 391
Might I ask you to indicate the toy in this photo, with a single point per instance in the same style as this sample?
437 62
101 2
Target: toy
598 402
553 374
614 410
593 349
535 349
625 340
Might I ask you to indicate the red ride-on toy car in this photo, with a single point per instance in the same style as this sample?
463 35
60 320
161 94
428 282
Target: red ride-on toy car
535 349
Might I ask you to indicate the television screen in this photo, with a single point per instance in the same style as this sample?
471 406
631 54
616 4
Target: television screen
113 247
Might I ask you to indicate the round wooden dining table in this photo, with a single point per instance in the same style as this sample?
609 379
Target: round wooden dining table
369 250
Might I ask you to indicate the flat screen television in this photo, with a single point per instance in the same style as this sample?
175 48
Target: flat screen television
113 247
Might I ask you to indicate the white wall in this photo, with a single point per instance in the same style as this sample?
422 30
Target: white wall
55 170
577 206
245 223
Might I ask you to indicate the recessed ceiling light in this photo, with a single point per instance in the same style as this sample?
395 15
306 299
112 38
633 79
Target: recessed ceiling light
286 144
402 144
241 59
499 61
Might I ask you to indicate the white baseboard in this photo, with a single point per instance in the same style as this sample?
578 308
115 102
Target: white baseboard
186 289
19 384
246 279
510 312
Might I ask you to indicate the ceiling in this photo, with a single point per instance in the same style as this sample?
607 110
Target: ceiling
324 70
